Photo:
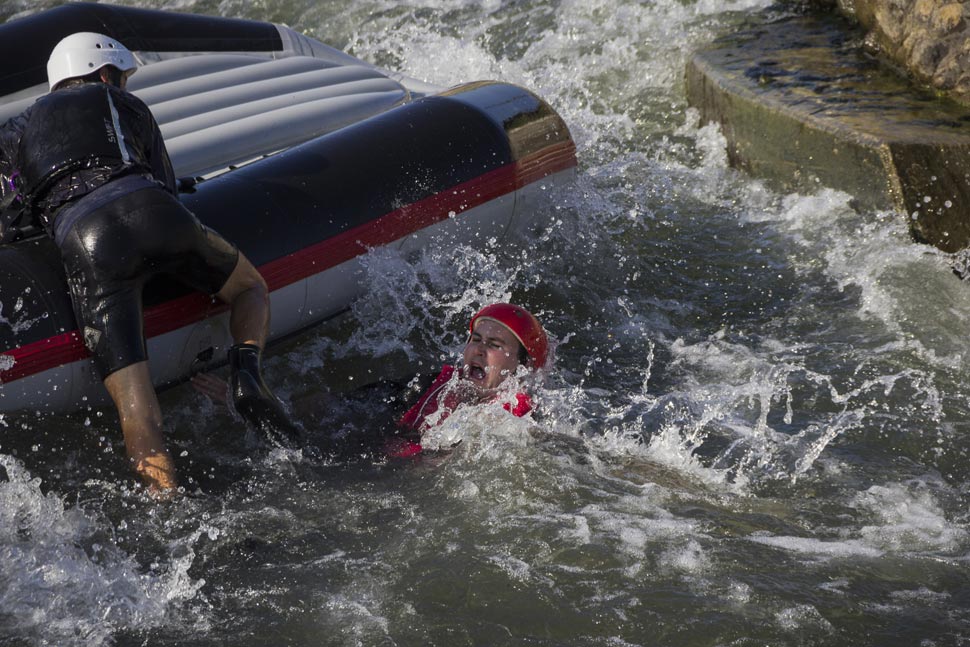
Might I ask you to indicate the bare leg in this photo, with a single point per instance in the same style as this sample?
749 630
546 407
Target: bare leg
141 423
248 296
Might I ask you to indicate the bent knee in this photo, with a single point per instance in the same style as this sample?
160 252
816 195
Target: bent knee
249 275
244 277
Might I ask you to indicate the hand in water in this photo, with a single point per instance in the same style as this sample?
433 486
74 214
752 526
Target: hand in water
214 388
269 420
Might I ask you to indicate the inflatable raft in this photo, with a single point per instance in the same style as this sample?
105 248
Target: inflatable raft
301 154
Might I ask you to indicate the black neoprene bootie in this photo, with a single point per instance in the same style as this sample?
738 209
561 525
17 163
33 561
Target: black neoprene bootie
253 400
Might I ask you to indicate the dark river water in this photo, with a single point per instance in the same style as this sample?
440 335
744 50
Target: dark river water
755 434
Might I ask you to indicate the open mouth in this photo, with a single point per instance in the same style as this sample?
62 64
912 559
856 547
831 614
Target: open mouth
475 372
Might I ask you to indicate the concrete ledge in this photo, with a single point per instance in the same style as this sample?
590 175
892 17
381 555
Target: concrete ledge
802 106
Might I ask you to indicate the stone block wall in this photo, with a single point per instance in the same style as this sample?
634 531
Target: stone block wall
928 39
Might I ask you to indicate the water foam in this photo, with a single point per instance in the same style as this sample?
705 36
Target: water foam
895 519
65 581
413 304
907 517
722 408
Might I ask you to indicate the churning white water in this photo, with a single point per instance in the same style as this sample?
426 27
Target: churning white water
755 433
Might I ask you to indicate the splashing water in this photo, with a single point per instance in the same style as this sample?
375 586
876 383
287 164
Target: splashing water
754 433
65 581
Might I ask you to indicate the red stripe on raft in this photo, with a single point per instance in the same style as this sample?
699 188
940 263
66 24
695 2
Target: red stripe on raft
416 216
178 313
42 355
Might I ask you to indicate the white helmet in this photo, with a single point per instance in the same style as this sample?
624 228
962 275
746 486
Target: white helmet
85 52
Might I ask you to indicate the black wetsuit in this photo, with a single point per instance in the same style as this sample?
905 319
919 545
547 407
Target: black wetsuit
89 163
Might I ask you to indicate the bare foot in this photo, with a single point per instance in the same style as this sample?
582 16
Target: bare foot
158 473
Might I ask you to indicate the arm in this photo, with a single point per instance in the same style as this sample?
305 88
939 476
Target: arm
161 162
147 137
10 134
212 387
217 390
314 403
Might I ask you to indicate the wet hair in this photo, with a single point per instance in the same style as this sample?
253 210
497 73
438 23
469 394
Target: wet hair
114 78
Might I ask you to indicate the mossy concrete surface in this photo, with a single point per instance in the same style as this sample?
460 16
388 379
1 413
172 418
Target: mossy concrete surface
803 106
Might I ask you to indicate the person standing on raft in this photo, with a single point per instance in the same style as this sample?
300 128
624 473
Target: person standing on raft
502 337
87 161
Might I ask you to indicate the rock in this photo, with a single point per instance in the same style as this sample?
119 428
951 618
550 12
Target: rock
949 18
927 38
802 104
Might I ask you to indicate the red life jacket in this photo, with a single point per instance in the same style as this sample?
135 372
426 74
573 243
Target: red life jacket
415 419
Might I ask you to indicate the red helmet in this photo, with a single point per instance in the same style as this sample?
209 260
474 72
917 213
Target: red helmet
522 324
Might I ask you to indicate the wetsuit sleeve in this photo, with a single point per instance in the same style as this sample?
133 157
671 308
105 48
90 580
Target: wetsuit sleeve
10 133
10 211
147 137
400 394
161 162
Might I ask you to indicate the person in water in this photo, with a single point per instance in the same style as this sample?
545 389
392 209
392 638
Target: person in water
502 337
87 161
